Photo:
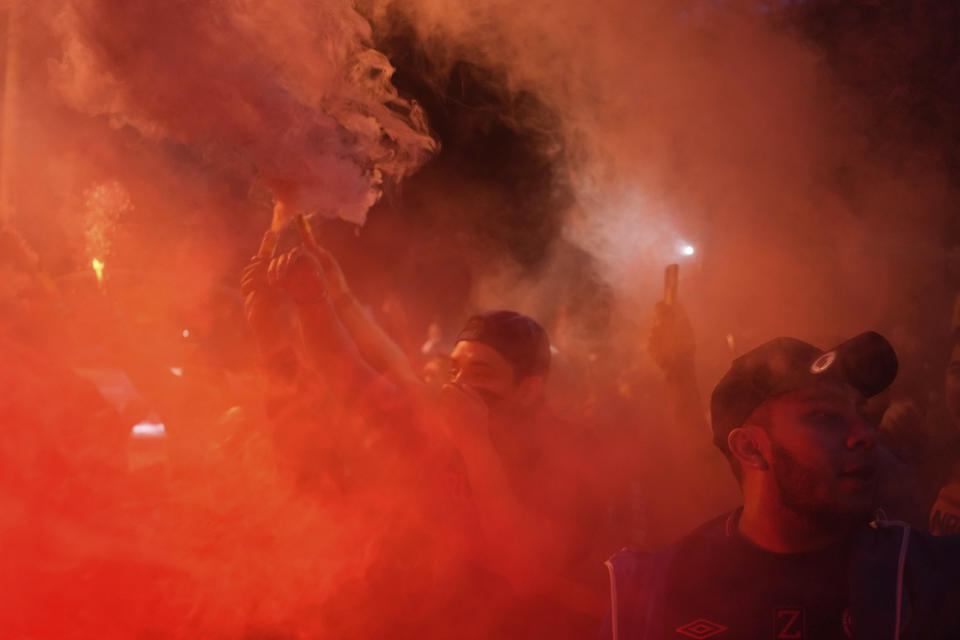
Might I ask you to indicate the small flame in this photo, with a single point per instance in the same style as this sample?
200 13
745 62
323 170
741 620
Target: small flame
98 265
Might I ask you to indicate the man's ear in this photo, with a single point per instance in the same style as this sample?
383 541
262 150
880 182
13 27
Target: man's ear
530 390
744 443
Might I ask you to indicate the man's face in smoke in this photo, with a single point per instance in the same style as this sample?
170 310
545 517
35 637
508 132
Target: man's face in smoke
952 386
486 371
822 453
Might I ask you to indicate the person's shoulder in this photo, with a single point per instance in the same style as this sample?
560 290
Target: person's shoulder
934 560
548 419
705 536
642 578
709 534
562 434
943 550
933 564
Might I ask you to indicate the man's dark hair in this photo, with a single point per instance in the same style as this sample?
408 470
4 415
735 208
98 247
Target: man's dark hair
518 338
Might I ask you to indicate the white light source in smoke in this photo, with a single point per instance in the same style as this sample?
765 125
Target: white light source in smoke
148 429
185 333
687 250
177 371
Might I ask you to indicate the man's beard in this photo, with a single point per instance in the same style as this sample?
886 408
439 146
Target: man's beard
800 492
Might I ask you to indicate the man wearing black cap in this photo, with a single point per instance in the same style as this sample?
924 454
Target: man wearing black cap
801 558
501 357
527 470
504 357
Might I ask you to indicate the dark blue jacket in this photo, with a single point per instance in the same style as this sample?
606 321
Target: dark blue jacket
904 585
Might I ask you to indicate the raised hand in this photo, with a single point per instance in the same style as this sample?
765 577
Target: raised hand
298 273
671 345
261 302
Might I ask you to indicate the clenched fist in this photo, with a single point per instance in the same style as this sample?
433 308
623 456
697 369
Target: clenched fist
298 273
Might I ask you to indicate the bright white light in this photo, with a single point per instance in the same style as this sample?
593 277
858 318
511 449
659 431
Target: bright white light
185 333
177 371
148 429
688 250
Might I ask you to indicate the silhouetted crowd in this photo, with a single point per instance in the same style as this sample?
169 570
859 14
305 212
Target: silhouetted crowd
512 489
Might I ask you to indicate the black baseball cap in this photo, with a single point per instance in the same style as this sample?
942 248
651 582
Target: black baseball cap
866 362
518 338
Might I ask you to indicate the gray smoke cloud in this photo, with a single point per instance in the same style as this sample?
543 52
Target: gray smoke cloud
718 126
289 89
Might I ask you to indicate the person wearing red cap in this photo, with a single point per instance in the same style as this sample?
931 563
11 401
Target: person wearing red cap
807 555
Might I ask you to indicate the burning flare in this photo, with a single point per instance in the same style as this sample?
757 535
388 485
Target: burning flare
98 265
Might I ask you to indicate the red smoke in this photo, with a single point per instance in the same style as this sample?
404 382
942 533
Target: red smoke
690 122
